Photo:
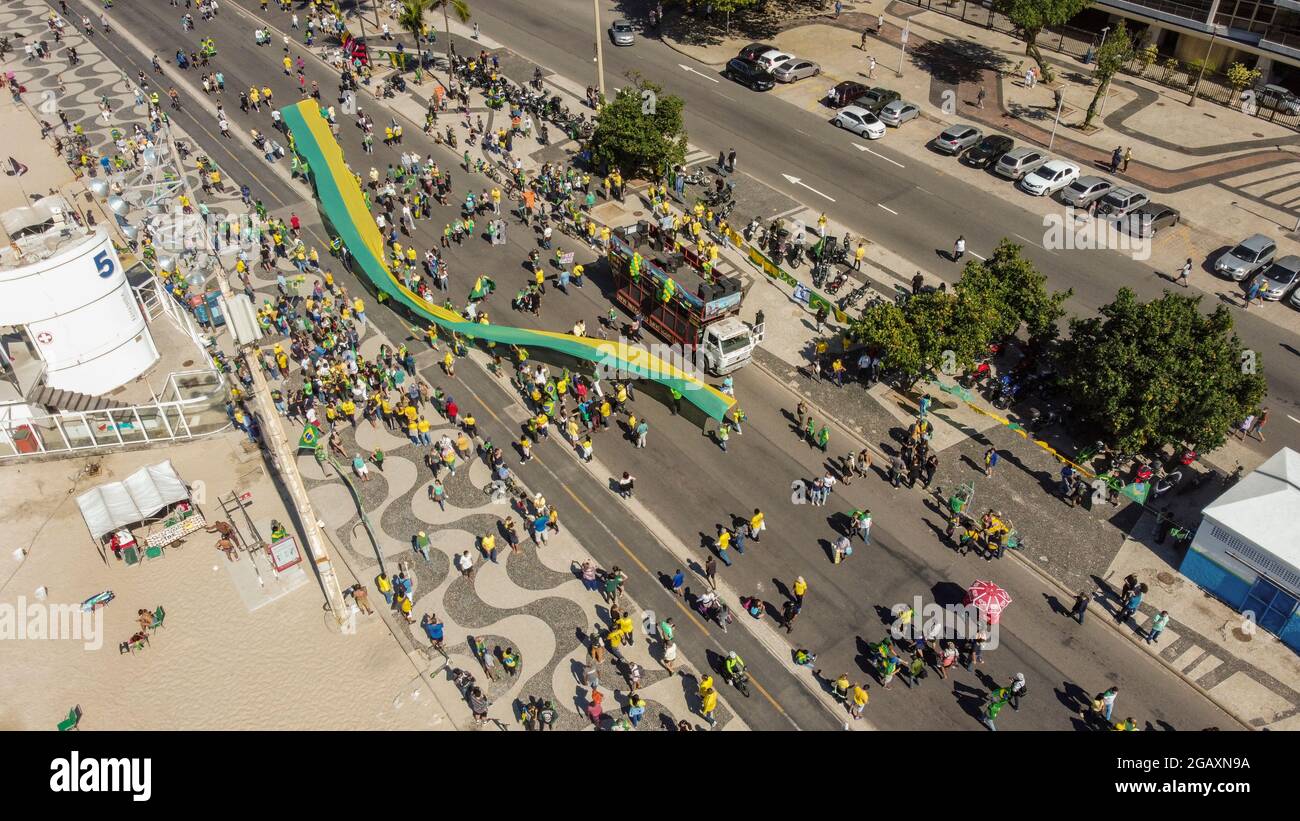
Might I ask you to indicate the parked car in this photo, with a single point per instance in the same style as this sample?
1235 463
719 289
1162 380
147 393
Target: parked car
1018 162
988 151
877 98
796 69
748 73
845 93
1278 97
1279 277
755 50
956 137
1084 190
1147 220
898 112
1120 201
773 58
621 33
1049 178
860 121
1247 257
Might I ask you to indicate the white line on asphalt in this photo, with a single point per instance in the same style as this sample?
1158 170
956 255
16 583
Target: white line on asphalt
1293 419
1026 239
799 182
886 159
925 190
702 74
977 256
887 208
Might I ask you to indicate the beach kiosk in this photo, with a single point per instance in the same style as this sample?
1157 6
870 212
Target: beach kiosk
139 516
1246 551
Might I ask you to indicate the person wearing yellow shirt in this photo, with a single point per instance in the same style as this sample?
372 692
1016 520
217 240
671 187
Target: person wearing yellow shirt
709 703
604 236
422 425
577 275
799 588
411 413
488 544
349 409
413 431
858 254
626 626
756 524
329 280
539 276
859 699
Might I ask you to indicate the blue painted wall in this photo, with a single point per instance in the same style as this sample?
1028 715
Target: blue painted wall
1208 574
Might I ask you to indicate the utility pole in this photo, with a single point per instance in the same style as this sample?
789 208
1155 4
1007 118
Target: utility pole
283 455
600 51
902 44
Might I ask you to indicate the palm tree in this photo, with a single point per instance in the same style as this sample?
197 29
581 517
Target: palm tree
411 18
461 8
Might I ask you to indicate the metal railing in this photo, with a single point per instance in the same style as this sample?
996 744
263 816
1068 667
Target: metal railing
193 405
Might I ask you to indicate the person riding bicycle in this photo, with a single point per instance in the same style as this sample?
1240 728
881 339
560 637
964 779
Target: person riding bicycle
735 666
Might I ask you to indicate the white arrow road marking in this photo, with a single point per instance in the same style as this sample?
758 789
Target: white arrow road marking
702 74
881 156
799 182
887 208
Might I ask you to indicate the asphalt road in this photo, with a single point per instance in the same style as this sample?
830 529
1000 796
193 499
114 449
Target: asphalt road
773 138
690 485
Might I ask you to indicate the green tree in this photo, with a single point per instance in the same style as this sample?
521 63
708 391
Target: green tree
1239 76
728 6
411 18
1112 55
884 328
1018 293
458 7
641 131
1145 57
1032 16
1152 374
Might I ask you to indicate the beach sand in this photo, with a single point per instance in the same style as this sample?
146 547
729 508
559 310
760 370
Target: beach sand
214 664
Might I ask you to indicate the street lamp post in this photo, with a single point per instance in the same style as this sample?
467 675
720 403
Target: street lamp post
1191 101
1104 32
902 44
1059 105
600 52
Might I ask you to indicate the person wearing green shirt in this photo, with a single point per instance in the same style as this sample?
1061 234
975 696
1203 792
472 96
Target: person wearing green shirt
666 630
991 713
724 433
823 438
1158 625
677 400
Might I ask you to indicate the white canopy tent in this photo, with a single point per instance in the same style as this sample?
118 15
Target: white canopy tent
135 499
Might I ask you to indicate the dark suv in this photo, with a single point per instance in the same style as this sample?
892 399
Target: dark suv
748 73
755 50
876 98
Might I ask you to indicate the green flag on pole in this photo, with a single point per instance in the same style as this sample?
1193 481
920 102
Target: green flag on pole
311 436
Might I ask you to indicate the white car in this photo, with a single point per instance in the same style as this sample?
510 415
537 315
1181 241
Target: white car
860 121
771 59
1049 178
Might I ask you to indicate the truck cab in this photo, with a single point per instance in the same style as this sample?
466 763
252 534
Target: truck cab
725 345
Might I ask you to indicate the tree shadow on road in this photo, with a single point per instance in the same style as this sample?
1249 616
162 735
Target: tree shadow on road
952 60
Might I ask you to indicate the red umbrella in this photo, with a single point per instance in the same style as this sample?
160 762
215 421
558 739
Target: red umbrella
989 598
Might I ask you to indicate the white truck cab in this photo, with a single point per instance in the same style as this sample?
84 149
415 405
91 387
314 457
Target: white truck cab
726 345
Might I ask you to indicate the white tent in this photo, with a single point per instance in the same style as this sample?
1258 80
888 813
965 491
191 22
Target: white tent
140 496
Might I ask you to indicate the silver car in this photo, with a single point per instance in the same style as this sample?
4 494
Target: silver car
898 112
1247 257
956 138
794 69
621 33
1084 190
1278 278
1121 201
1018 162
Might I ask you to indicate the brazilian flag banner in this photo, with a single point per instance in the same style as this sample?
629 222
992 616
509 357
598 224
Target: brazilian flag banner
311 436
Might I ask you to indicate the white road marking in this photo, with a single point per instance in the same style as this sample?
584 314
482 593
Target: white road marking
977 256
799 182
881 156
702 74
887 208
1293 419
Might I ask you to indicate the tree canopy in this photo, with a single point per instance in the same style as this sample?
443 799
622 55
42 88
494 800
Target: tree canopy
1151 374
1032 16
1113 54
640 131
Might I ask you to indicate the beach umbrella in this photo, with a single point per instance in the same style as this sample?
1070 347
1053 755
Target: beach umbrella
989 598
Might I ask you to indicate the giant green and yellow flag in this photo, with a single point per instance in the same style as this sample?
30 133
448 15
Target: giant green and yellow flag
342 201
